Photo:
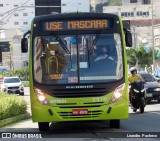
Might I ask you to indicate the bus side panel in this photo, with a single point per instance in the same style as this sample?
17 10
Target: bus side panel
33 97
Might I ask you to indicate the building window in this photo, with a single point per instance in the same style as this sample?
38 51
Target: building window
146 1
132 14
129 14
141 14
63 4
16 5
122 14
16 23
147 13
16 15
137 13
25 23
125 14
144 14
25 63
133 1
25 14
1 5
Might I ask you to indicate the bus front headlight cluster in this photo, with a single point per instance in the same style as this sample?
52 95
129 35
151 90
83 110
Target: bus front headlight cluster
117 95
41 97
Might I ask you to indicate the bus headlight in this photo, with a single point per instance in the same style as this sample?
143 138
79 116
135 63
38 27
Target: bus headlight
41 97
117 95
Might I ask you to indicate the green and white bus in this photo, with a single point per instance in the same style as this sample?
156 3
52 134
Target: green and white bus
78 68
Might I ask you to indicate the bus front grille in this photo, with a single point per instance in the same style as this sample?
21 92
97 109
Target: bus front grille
91 114
68 93
75 105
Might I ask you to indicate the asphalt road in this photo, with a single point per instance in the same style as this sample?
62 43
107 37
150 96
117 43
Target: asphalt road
149 121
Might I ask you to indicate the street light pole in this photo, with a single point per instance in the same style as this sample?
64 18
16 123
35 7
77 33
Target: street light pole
153 53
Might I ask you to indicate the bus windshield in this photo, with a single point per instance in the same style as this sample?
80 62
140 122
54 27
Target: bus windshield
82 58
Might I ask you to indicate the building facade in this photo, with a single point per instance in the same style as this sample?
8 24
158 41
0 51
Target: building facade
68 6
16 14
144 20
15 19
130 12
43 7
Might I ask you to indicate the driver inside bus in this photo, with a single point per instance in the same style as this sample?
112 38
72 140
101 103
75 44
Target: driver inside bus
103 54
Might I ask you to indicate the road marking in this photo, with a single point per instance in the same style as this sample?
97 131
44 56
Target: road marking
155 113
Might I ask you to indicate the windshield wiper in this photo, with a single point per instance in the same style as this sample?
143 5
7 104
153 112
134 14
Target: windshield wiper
95 41
61 43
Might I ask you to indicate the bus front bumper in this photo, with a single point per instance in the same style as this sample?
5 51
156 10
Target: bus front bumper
44 113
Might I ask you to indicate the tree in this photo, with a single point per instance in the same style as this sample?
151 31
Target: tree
157 54
23 73
115 2
99 8
140 56
91 9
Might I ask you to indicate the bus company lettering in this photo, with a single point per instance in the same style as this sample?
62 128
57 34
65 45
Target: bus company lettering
58 101
70 25
80 87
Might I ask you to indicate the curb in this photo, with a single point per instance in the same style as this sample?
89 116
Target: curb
14 119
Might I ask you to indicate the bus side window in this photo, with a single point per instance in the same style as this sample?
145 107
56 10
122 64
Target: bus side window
38 65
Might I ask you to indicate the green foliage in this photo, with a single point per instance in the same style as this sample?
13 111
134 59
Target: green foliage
141 56
99 8
26 83
131 56
91 9
115 2
23 73
11 105
157 54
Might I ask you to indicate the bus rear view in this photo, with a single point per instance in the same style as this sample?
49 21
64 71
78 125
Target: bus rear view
78 68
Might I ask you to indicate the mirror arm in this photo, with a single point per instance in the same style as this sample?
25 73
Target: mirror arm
26 33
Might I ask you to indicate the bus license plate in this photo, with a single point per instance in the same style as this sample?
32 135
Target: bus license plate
80 111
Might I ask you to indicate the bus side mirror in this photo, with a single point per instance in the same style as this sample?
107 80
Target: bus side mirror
24 45
128 38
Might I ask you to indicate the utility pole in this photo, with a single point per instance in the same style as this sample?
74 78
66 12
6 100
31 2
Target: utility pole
153 53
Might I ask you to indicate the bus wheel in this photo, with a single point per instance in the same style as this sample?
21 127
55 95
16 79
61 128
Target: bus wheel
115 123
22 94
43 126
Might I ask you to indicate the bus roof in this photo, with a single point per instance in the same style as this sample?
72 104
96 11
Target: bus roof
69 16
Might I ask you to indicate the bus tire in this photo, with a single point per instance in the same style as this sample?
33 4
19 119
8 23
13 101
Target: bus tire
22 94
43 126
115 123
142 105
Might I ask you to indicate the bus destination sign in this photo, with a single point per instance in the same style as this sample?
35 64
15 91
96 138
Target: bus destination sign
75 25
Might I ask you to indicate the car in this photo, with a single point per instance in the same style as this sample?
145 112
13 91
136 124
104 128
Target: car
156 75
152 87
12 85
